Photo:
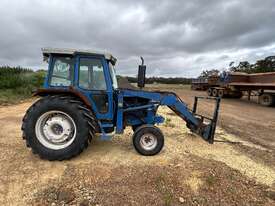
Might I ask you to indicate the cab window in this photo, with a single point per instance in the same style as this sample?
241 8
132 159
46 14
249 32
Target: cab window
62 72
91 74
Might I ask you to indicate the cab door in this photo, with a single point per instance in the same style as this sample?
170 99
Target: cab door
94 82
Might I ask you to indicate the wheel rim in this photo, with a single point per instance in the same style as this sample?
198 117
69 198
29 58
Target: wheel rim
215 92
148 142
220 93
55 130
266 99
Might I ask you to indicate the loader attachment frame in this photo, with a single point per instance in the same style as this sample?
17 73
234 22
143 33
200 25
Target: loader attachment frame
209 133
199 124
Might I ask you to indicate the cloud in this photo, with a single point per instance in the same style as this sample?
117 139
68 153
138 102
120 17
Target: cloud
177 38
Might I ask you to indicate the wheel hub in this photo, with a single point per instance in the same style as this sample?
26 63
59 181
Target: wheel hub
148 141
55 130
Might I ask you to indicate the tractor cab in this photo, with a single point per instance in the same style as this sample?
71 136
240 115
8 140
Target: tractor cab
90 73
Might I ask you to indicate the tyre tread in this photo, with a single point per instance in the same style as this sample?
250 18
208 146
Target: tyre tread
74 102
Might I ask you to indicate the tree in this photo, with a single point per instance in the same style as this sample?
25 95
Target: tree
207 73
262 65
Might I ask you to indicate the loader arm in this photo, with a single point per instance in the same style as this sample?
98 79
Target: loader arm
199 124
195 122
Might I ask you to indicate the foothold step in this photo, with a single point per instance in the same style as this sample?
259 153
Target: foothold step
105 137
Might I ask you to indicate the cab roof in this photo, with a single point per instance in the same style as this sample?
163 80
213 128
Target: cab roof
47 51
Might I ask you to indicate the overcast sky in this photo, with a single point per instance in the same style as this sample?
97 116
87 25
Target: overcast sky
177 38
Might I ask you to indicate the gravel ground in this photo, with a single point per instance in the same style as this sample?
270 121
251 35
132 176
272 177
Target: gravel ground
188 171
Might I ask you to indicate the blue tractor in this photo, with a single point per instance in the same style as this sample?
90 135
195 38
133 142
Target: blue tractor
81 97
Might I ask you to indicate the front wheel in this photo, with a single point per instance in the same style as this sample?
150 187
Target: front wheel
135 127
148 140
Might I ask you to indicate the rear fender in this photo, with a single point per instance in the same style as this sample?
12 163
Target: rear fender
70 91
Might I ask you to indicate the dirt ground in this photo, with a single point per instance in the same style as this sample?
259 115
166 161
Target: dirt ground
246 119
238 169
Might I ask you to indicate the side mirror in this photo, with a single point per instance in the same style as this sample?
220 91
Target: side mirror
141 74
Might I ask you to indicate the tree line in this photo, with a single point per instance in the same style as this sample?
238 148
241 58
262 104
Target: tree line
161 80
261 66
16 77
17 83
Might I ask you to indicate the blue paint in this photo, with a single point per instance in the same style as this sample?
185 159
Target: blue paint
119 119
123 112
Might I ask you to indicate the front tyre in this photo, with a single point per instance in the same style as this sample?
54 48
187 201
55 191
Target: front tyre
58 127
148 140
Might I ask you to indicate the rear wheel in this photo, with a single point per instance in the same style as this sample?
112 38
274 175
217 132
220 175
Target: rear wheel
58 127
209 92
215 92
267 99
148 140
221 93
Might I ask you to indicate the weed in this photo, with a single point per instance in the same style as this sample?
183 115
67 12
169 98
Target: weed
164 190
168 123
211 180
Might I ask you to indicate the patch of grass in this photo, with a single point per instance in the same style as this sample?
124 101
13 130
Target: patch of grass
162 187
168 87
211 180
11 96
168 123
232 190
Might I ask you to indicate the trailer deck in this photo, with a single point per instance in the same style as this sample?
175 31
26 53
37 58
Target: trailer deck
236 84
252 86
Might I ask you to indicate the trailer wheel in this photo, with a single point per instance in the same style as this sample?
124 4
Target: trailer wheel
220 93
58 127
209 92
148 140
215 92
267 99
238 95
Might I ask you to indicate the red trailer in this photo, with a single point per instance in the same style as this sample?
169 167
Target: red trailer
236 84
199 84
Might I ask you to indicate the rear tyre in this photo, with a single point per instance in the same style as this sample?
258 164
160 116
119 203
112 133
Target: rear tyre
215 92
58 127
266 99
148 140
209 92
